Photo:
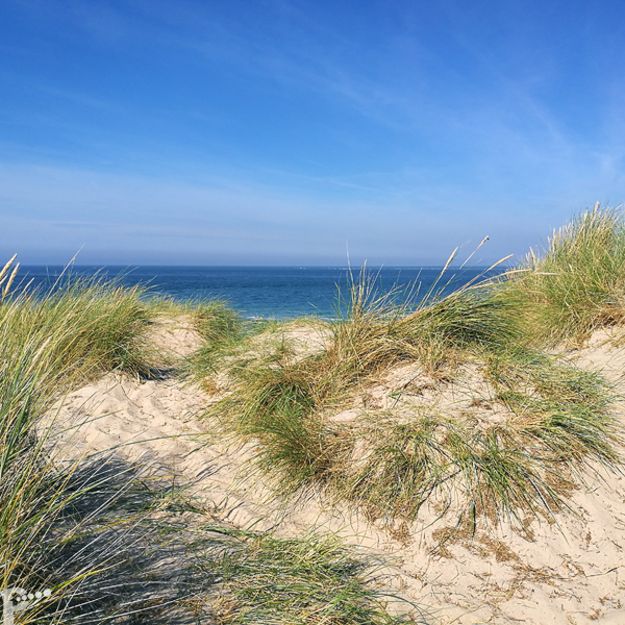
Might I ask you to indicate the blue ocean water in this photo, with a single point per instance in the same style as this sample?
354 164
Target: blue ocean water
267 292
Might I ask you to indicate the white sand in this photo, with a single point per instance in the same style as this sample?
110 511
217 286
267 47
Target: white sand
571 573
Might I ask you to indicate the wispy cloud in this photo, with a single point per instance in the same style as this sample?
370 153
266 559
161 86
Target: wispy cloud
55 211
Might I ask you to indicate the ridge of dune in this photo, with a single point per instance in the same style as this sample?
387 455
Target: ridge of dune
571 572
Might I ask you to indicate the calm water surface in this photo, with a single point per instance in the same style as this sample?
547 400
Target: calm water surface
270 292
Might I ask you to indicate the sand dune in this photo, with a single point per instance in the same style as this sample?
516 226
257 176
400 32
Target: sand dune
569 572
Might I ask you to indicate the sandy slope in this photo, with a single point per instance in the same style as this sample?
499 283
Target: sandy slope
569 573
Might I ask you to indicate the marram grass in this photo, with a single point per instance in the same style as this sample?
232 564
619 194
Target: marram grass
577 284
84 328
221 329
561 418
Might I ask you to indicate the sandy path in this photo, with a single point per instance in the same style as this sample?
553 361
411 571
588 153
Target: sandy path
572 573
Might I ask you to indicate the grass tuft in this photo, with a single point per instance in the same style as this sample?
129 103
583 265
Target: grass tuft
277 410
88 327
304 581
578 283
223 331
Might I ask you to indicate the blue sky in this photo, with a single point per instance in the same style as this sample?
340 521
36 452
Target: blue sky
287 132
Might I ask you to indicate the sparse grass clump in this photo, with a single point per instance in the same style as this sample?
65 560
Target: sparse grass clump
405 464
566 409
223 330
305 581
559 421
378 333
476 318
217 323
277 410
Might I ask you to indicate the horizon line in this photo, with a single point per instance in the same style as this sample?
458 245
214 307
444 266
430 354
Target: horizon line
264 266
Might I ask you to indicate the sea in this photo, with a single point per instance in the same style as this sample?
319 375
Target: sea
262 292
